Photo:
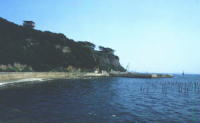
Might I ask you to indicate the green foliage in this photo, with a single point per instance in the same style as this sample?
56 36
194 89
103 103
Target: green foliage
71 69
87 44
46 51
106 50
16 67
29 24
58 69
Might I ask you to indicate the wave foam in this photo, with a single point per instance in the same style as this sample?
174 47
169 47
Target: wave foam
29 79
2 84
24 80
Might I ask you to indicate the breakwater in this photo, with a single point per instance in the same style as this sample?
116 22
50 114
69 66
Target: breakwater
139 75
10 76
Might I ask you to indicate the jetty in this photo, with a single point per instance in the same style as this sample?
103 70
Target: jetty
11 76
138 75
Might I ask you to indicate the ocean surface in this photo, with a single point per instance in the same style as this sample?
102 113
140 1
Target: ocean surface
102 100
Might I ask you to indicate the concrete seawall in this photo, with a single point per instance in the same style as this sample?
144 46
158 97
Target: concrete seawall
139 75
10 76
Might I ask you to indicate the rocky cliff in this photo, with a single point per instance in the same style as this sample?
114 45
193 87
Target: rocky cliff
109 61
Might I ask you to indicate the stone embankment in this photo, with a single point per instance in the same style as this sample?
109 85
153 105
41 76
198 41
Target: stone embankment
12 76
138 75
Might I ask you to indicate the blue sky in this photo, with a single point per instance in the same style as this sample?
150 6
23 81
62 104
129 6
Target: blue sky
151 35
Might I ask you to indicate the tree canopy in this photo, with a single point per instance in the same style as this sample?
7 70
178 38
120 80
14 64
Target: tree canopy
106 49
87 44
44 51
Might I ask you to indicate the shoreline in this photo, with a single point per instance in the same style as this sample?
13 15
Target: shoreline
12 77
15 77
139 75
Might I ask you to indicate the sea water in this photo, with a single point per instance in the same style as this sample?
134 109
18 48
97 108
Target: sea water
102 100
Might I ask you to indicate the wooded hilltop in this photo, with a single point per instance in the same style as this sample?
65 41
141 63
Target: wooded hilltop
28 49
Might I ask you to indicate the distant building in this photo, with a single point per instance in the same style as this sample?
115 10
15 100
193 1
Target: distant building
29 24
154 75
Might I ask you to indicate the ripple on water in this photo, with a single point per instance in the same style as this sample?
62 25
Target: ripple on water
103 100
